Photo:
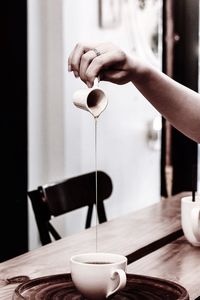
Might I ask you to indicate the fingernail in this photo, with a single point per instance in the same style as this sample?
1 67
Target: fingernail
69 68
76 74
88 84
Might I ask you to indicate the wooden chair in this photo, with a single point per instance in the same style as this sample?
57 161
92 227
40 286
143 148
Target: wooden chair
62 197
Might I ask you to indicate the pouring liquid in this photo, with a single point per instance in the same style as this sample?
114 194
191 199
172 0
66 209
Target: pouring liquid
96 178
94 102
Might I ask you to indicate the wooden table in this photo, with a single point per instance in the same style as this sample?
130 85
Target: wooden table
136 235
178 261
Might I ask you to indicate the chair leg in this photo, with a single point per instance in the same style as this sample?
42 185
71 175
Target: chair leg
101 212
53 232
44 233
89 216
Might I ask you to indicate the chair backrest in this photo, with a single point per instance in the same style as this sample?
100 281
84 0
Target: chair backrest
67 195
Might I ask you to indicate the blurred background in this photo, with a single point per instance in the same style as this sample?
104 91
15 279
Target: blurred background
61 137
46 138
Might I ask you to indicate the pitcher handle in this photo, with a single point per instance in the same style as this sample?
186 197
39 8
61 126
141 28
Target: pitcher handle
96 82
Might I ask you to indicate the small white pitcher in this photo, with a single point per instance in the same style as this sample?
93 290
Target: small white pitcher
93 100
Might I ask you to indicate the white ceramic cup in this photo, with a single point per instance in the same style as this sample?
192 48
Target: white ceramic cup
93 100
190 219
98 275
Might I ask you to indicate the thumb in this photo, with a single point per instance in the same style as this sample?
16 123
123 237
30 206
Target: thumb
114 76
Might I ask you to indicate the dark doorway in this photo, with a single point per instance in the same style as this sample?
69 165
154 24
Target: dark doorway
182 16
13 200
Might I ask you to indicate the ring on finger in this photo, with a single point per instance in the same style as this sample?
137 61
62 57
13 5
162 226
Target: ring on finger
97 52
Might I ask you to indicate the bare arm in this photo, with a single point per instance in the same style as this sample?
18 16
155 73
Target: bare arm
178 104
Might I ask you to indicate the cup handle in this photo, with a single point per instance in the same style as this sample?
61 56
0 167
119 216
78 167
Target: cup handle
122 280
195 215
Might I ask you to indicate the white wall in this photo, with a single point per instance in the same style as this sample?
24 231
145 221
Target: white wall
45 83
122 128
61 137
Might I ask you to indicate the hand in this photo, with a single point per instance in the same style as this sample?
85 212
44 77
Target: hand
104 60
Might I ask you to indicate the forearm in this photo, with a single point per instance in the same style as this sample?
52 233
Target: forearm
177 103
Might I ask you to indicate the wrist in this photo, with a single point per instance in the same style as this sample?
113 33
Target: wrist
140 72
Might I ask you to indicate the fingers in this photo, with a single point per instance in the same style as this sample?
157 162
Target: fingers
88 61
100 64
75 57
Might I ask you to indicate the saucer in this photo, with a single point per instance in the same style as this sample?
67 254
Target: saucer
138 287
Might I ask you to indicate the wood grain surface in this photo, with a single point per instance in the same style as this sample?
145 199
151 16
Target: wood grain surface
179 261
133 235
